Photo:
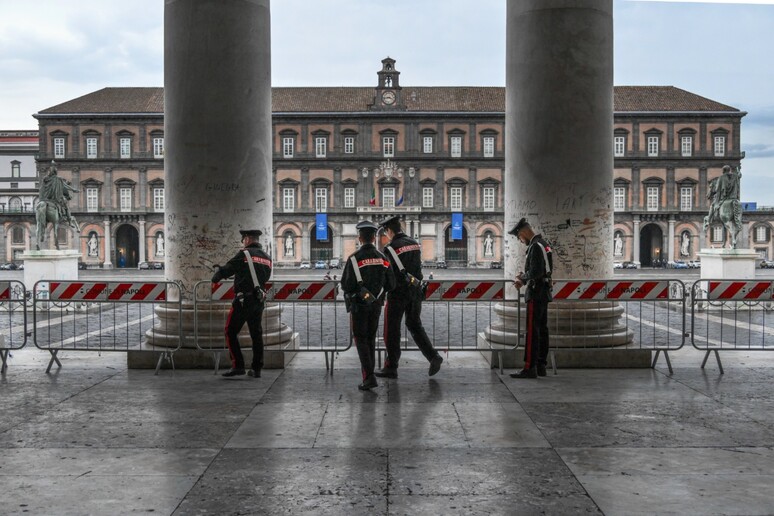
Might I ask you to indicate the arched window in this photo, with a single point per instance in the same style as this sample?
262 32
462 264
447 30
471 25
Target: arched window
15 204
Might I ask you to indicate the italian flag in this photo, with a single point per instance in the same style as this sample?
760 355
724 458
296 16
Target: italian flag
372 202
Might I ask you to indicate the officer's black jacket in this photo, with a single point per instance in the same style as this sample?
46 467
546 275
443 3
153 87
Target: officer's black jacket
538 269
410 254
237 267
374 268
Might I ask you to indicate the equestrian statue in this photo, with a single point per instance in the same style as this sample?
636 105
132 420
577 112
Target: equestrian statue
725 207
54 194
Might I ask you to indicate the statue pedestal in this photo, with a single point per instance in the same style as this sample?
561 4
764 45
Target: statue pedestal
728 263
50 264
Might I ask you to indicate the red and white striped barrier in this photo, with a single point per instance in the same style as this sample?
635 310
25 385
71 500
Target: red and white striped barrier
283 291
464 290
5 290
103 291
740 290
610 290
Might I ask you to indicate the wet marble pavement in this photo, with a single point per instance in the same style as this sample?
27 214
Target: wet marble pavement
96 438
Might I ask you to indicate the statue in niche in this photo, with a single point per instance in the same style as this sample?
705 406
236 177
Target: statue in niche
93 245
685 244
160 244
618 245
289 245
488 245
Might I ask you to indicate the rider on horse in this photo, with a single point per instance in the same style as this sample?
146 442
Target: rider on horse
56 191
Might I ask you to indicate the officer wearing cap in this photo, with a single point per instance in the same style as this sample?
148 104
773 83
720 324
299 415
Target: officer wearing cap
537 279
248 301
405 257
367 277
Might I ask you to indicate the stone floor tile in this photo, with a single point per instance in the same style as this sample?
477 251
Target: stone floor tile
486 505
291 505
499 425
339 388
444 390
280 425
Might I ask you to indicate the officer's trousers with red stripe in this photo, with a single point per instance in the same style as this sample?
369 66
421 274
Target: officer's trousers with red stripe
365 323
536 343
251 312
410 305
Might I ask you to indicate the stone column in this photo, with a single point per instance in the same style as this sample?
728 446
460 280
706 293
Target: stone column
108 246
559 167
671 241
143 241
218 134
636 241
440 242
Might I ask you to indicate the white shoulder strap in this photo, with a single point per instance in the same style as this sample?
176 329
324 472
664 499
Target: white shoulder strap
545 257
399 263
356 269
251 266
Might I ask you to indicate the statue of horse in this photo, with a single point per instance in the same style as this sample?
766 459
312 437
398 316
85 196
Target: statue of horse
48 212
728 213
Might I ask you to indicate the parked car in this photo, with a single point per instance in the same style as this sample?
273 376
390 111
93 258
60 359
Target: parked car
81 266
679 264
158 265
496 265
334 263
629 265
21 266
144 266
767 264
320 264
305 265
694 264
10 266
441 264
618 265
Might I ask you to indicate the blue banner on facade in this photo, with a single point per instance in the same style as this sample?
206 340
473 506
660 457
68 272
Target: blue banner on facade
456 228
321 226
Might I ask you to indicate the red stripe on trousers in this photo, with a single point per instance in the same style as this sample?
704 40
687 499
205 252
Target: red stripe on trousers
228 341
530 335
386 357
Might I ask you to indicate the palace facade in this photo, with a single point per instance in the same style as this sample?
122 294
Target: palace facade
434 155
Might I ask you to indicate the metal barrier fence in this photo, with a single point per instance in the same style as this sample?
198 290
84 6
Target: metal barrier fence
304 315
619 315
731 315
105 317
459 316
13 319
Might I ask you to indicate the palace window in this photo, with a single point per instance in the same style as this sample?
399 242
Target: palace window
349 145
158 148
686 198
717 234
720 146
619 144
388 146
321 200
388 197
686 146
652 198
653 145
619 198
91 148
456 146
489 144
288 144
17 235
489 198
427 197
427 144
15 204
455 196
125 145
158 199
320 146
761 234
125 199
349 197
59 147
288 200
15 168
92 199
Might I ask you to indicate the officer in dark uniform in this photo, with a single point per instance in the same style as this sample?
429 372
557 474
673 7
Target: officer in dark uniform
537 279
248 301
364 298
405 299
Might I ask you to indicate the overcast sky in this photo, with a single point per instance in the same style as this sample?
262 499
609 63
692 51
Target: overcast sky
52 51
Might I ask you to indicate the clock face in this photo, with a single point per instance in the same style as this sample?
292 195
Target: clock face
388 97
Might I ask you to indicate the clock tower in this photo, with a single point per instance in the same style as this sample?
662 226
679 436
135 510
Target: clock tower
388 94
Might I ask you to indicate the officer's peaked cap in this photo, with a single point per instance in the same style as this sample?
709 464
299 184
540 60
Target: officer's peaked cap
518 227
254 233
366 225
391 220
